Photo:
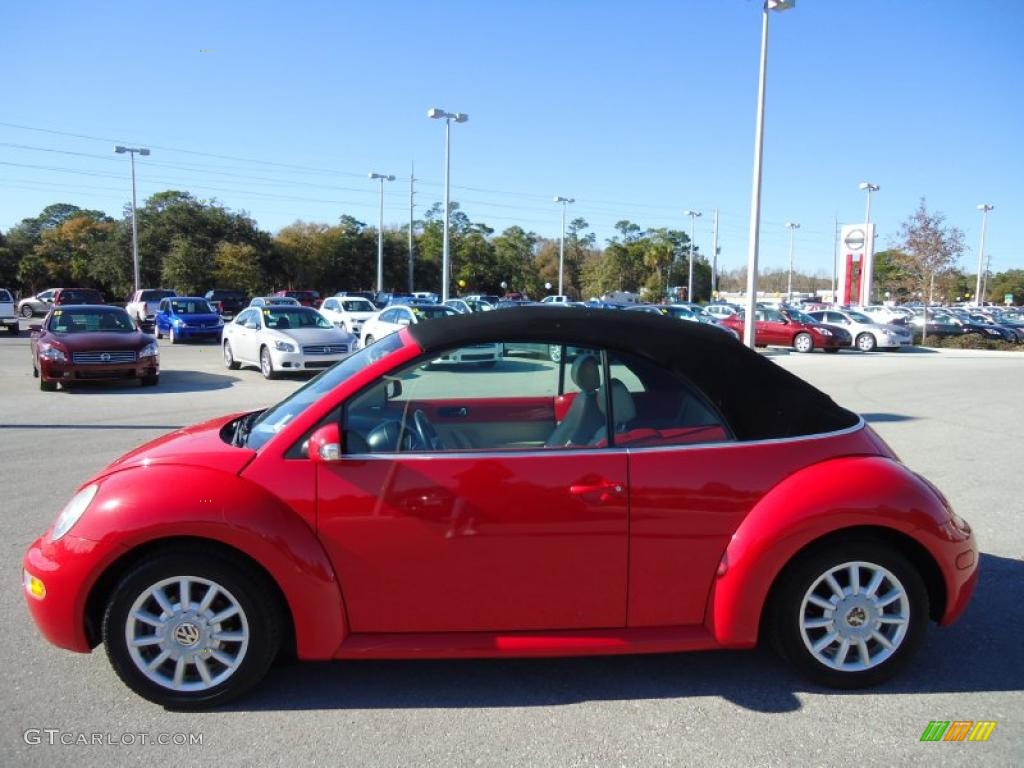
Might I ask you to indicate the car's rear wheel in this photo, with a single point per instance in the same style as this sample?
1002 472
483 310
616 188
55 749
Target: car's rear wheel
229 358
190 631
267 364
26 312
803 343
850 616
866 342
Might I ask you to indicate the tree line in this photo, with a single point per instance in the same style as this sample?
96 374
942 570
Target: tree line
193 245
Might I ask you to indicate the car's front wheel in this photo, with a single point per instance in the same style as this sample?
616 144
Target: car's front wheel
267 364
26 312
172 336
850 616
229 358
803 343
190 631
866 342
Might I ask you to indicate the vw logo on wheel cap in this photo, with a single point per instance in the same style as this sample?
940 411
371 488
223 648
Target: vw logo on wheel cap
186 634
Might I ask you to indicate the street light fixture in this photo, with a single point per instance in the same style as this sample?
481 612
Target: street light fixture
459 117
979 291
755 196
382 177
792 226
694 215
561 248
135 227
868 269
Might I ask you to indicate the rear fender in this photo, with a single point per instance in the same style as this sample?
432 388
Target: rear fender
142 505
811 503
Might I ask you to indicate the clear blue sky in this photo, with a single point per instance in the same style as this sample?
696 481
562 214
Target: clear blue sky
638 110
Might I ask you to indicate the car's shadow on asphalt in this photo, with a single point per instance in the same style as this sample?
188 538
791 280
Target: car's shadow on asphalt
876 418
170 382
981 652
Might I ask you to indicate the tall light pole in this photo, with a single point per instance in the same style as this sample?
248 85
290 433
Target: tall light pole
459 117
755 196
561 247
867 270
382 177
979 298
694 215
135 226
792 226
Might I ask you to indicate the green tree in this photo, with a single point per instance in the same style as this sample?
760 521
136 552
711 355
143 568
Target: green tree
188 268
1010 281
237 266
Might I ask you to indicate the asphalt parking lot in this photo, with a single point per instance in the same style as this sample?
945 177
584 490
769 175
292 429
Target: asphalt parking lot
955 416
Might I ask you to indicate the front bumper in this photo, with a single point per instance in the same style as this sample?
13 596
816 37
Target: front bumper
68 568
198 332
298 361
56 371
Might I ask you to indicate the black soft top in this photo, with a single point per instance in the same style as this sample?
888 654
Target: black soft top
759 399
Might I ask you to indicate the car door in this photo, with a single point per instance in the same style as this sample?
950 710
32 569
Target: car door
244 337
162 320
774 327
438 538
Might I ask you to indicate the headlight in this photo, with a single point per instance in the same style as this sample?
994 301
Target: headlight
824 331
73 511
150 350
181 323
284 346
52 353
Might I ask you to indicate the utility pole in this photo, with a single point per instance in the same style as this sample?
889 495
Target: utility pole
835 256
714 255
412 194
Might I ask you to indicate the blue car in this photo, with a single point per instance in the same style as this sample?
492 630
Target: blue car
187 317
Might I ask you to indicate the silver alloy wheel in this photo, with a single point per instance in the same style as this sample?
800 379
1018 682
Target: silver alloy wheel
171 336
187 633
803 342
855 606
266 365
866 342
229 358
27 311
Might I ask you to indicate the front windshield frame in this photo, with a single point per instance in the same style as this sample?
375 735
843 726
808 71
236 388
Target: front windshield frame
274 312
127 325
276 418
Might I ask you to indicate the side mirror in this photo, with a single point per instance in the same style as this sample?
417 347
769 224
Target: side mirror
324 445
394 389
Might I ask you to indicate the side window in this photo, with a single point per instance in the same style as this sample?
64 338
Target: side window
331 304
653 406
479 398
773 316
389 316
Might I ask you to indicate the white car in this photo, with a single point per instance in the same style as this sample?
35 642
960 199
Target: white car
867 334
348 312
556 299
7 316
283 338
397 317
274 301
36 305
720 311
143 304
879 313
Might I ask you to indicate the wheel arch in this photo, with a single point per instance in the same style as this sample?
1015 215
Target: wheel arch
822 503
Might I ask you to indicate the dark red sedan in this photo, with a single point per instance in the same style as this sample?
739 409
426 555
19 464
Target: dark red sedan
772 328
305 298
89 342
659 488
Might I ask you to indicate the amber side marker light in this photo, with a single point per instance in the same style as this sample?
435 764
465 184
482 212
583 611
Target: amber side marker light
34 586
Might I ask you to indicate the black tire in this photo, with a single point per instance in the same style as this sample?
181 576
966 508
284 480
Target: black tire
229 358
157 332
368 341
250 589
267 364
866 342
803 342
27 312
831 350
784 613
150 381
47 386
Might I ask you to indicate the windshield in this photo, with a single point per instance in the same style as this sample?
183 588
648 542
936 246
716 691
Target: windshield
155 295
290 318
274 419
431 312
192 307
802 317
857 317
5 296
90 321
357 305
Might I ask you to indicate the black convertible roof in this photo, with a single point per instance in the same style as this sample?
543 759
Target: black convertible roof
759 399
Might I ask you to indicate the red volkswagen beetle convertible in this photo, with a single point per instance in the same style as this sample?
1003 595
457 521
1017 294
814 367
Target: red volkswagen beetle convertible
659 488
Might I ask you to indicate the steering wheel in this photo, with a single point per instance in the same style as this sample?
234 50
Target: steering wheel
426 432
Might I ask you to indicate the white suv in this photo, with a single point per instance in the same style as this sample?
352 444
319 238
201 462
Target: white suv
7 315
